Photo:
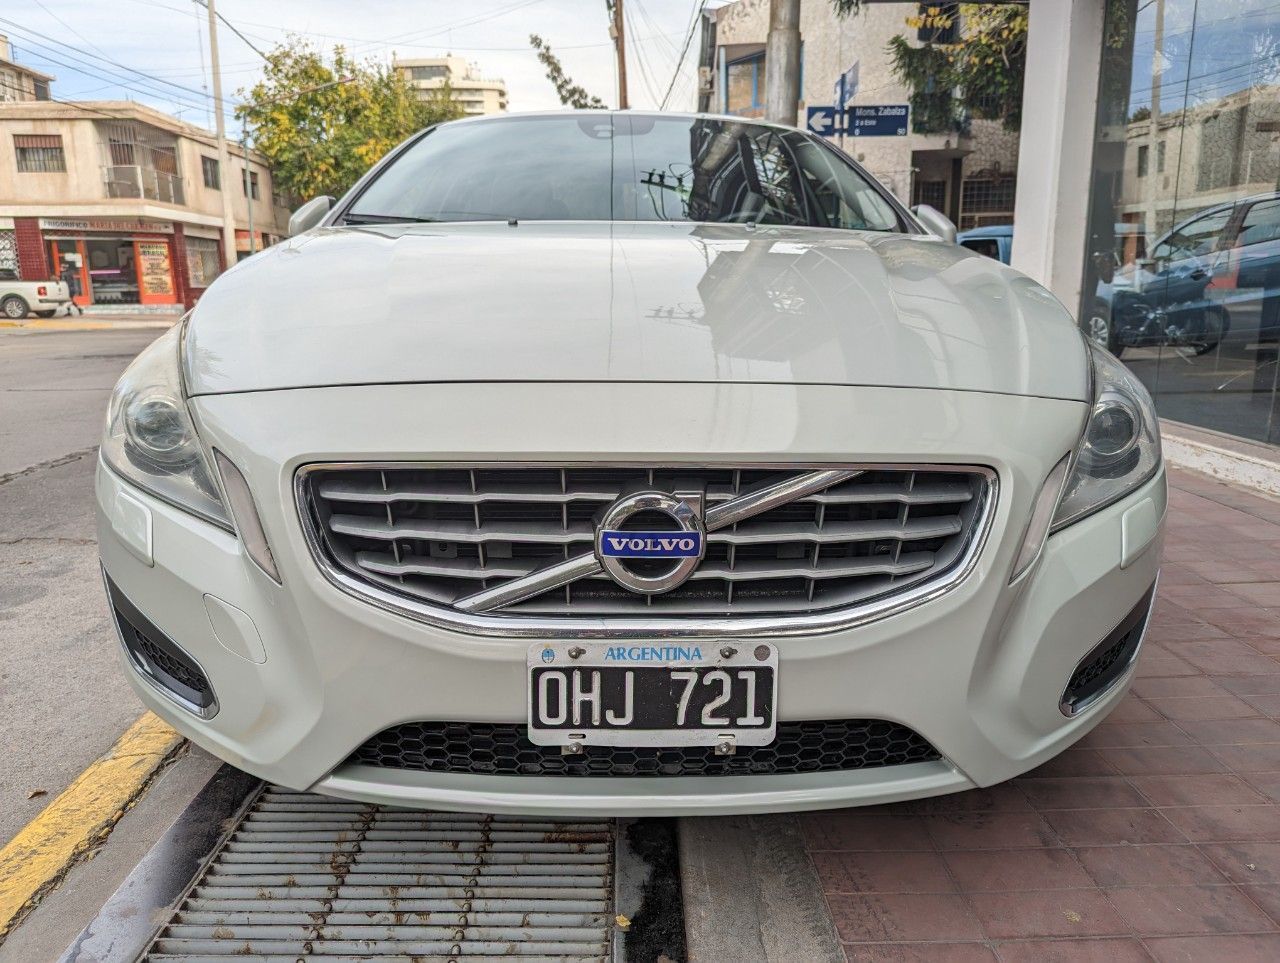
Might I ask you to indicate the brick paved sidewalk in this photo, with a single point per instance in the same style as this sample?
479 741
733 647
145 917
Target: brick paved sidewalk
1157 837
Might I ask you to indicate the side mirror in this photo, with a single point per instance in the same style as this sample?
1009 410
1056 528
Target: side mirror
935 222
310 214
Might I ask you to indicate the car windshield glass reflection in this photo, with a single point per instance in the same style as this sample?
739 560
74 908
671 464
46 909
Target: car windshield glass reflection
624 168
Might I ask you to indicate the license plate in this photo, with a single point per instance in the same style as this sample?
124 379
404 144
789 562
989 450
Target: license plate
619 694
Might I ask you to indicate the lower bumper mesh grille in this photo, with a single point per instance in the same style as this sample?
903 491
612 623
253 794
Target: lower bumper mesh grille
482 748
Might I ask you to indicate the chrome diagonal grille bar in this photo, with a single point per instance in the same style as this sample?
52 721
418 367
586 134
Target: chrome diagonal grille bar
721 516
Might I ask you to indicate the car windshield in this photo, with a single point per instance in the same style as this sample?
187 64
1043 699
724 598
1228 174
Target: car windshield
621 167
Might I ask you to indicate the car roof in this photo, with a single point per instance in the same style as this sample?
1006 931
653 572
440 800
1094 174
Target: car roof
994 230
609 111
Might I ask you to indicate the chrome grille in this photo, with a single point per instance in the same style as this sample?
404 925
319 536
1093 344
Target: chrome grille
439 534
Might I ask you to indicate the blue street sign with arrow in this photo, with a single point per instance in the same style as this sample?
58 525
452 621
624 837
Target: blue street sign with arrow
822 121
879 120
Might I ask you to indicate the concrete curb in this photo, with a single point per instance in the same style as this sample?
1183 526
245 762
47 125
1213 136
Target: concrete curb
751 892
1236 461
36 859
87 324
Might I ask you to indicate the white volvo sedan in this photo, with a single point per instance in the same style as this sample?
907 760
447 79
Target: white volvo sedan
628 463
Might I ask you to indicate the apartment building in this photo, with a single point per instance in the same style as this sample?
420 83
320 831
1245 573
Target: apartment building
128 196
476 94
19 82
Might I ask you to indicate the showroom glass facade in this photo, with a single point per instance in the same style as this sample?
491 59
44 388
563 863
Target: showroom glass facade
1182 275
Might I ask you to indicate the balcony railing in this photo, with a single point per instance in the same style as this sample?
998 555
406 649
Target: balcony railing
132 180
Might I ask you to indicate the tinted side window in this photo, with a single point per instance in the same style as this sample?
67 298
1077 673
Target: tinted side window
1261 224
1195 237
986 246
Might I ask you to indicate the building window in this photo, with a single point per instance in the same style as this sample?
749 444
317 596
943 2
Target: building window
8 255
250 184
428 73
39 153
1143 151
746 84
209 167
933 193
202 261
939 23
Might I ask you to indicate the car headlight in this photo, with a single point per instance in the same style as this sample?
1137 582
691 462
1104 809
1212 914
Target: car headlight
150 438
1120 449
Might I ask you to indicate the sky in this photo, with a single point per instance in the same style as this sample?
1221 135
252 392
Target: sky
156 51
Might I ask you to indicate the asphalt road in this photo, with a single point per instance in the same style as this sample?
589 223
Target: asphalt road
63 698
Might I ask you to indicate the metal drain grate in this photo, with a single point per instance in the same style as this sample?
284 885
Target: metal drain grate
307 875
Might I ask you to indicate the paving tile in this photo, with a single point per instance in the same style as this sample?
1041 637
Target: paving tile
1267 783
1179 687
1267 898
1175 910
1214 789
1263 948
1268 704
957 831
1127 735
1112 827
1266 594
1016 870
1214 824
1128 710
892 917
1148 865
1234 732
851 830
1097 792
919 952
1074 762
1068 912
1097 950
1006 797
882 872
1177 760
1164 664
1265 758
1251 685
1209 707
1256 862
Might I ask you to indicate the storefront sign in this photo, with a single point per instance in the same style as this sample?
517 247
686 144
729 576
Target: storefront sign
153 268
117 225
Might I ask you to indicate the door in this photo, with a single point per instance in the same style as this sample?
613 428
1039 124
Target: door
81 292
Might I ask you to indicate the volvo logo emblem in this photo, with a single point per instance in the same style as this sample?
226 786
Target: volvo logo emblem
633 558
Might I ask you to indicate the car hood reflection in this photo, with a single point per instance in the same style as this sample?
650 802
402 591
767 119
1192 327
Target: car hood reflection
657 302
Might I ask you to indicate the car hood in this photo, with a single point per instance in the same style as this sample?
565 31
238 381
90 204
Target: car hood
629 302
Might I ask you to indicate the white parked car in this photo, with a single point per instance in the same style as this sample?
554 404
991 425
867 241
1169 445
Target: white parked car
628 463
20 298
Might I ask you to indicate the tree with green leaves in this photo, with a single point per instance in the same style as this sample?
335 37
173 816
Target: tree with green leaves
977 74
571 95
323 121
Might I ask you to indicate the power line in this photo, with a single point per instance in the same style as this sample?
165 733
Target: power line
232 27
147 82
684 52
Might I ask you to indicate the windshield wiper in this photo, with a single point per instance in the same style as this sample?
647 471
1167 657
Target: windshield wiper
386 219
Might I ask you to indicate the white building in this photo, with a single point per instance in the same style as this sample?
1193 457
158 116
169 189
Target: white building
476 95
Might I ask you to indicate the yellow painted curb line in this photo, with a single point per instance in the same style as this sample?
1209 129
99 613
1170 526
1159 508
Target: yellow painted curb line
69 827
55 324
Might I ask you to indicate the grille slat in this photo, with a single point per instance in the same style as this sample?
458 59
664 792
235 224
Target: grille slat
438 534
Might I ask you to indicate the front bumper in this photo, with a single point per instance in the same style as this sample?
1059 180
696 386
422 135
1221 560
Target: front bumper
305 673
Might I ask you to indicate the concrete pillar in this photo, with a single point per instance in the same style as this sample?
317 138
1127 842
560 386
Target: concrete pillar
181 270
782 62
1055 154
33 260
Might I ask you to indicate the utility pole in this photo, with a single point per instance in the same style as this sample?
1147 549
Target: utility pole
224 156
620 47
782 62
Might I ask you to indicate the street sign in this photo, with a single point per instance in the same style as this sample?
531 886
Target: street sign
877 120
846 87
822 121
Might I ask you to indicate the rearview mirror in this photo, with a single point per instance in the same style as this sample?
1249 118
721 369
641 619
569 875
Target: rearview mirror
310 214
935 222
